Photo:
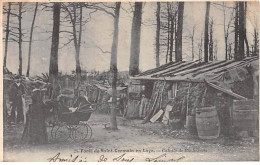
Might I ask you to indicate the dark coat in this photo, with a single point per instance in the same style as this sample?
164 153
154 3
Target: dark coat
16 92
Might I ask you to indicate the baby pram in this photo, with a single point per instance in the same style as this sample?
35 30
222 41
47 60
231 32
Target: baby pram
74 125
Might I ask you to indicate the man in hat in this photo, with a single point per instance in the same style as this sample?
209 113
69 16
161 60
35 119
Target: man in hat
15 97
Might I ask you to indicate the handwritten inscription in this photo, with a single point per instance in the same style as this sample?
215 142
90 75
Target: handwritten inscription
121 158
163 158
57 158
102 158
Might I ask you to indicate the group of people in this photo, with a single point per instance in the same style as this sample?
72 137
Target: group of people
35 130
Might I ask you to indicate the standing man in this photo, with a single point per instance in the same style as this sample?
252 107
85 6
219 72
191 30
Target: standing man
15 97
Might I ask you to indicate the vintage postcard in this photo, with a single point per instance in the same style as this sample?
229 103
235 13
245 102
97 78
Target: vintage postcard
158 81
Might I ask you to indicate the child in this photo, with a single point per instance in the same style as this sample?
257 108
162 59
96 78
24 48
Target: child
81 102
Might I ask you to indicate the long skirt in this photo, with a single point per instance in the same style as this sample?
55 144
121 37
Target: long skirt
35 131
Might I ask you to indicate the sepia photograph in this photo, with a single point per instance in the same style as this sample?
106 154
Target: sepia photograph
128 81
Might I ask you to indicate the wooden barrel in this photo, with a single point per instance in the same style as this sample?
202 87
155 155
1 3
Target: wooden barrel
245 114
191 124
207 123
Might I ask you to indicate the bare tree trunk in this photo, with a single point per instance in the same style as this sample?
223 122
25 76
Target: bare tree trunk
206 35
20 70
78 68
225 32
53 69
175 32
256 43
246 41
229 52
76 41
247 46
168 32
216 50
211 42
113 67
236 33
7 32
192 42
241 31
30 42
178 56
200 48
135 40
171 37
158 34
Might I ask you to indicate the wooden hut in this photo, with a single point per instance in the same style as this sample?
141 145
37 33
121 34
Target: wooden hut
187 86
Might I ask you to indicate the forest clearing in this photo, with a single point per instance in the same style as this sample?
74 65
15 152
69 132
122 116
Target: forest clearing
137 81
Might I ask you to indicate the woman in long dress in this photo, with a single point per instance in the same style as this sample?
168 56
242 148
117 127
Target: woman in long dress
35 131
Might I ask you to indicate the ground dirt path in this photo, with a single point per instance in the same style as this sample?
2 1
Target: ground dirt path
132 142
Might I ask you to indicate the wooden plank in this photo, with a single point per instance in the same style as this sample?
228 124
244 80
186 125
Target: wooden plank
183 64
226 91
203 71
146 119
163 67
204 65
224 69
187 67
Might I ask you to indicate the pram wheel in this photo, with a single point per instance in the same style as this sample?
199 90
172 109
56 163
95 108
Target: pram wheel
82 132
61 132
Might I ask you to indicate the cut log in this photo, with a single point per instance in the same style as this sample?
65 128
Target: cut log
166 116
156 116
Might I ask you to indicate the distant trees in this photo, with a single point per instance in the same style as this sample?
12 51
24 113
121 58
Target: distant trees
14 31
169 37
227 30
171 29
135 39
74 16
7 31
